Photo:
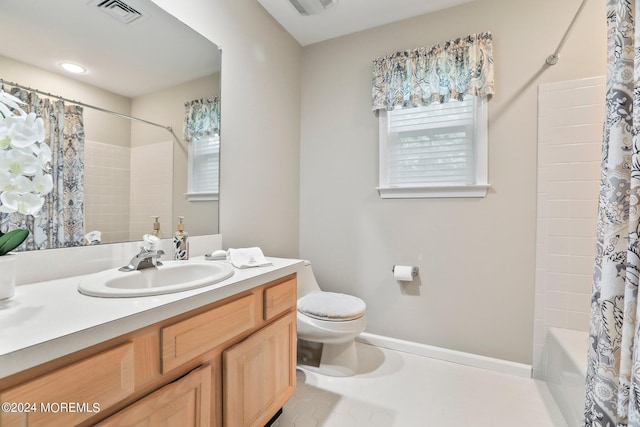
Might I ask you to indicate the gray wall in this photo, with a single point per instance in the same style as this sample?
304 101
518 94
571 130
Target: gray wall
476 256
260 113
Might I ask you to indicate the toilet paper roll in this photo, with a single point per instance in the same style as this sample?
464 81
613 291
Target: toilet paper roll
403 273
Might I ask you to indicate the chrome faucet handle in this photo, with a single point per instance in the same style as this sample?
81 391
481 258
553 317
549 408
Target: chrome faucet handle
144 259
155 257
150 260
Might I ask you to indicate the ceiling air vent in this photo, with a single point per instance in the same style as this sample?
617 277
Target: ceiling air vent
311 7
119 10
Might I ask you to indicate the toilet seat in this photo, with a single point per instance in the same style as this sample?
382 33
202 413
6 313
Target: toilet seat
331 306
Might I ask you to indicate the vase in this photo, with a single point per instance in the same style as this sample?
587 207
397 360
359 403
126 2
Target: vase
7 276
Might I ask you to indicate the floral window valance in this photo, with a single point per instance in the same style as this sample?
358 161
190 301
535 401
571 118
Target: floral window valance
419 77
201 118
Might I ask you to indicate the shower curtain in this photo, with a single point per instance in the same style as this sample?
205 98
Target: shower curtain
613 375
60 223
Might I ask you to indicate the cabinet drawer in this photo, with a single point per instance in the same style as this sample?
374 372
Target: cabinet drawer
102 380
279 298
194 336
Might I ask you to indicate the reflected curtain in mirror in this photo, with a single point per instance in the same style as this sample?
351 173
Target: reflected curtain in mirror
60 223
201 118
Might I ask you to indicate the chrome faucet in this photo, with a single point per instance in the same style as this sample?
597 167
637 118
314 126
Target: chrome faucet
144 259
148 257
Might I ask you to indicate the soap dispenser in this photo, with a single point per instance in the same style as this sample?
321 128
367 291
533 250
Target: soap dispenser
156 226
181 242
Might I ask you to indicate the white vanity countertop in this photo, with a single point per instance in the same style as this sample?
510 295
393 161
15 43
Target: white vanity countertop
47 320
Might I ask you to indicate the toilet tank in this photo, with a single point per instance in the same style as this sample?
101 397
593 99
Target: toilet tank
306 280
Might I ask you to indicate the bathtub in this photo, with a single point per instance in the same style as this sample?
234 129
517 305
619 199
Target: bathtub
565 361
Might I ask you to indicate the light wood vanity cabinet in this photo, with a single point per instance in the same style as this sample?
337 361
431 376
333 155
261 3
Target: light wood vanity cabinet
231 363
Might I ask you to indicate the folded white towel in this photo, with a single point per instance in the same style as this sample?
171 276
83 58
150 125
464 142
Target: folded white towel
247 257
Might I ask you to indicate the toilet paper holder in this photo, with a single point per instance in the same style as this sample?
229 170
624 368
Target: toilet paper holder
414 270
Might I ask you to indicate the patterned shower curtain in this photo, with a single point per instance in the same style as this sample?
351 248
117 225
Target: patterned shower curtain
613 375
60 223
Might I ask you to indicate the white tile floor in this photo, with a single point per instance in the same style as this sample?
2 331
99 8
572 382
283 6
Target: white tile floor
395 389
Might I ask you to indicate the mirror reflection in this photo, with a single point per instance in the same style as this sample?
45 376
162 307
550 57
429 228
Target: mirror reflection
120 153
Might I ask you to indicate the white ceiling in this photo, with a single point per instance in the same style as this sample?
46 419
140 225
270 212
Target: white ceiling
153 53
159 51
349 16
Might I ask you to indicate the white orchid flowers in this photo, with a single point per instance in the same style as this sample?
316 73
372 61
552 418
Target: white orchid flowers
24 159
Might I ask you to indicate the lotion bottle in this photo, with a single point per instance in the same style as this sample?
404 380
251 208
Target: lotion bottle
181 242
156 226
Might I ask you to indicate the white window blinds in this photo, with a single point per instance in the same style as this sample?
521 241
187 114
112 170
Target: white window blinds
204 159
432 144
432 147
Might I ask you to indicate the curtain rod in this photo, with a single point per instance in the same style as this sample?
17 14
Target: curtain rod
82 104
553 58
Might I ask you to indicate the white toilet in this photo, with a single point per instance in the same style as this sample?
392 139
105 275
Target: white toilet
328 324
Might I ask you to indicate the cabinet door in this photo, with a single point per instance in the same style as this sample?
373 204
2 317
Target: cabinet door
185 402
259 374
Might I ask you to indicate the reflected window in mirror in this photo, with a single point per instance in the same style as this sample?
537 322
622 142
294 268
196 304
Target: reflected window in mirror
202 133
204 162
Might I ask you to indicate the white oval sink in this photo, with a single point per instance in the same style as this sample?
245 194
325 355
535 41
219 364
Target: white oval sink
171 276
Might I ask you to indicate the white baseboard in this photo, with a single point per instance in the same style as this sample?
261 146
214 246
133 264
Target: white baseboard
462 358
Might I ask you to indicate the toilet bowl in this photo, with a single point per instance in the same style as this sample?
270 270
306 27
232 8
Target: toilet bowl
328 324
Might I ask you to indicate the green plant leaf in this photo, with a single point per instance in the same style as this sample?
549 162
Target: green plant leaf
11 240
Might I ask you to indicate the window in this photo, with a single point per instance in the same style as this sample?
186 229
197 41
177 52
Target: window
435 151
204 168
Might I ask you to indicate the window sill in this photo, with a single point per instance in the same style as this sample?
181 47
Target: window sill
478 190
201 197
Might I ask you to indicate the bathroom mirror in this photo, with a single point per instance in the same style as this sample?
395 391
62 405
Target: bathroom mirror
141 62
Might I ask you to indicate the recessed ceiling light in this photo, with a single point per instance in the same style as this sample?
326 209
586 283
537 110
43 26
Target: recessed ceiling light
72 68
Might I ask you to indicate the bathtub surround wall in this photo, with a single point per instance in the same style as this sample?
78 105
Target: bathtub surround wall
570 119
151 191
121 206
106 188
475 291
